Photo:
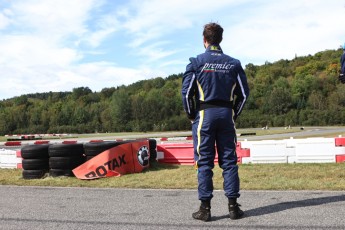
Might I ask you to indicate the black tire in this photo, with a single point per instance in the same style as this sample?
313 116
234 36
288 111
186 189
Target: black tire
153 149
89 157
153 155
61 172
35 164
95 148
34 174
35 151
66 162
64 150
152 144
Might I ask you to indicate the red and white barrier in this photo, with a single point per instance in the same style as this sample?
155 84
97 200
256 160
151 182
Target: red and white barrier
309 150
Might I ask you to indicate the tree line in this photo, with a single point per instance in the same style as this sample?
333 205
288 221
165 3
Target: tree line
304 91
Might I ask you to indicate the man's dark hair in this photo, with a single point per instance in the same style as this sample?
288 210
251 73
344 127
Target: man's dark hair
213 33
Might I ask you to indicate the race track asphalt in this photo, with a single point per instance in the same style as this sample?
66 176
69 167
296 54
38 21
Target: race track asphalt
92 208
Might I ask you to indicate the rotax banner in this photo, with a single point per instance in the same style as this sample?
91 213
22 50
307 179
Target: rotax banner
132 157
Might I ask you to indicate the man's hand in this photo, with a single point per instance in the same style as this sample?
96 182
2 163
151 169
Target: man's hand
342 78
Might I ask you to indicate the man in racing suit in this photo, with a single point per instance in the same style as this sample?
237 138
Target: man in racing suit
342 70
214 91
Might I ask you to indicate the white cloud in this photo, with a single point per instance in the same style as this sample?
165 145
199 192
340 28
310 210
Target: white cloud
149 22
151 19
96 76
54 18
279 30
31 51
95 39
103 74
40 50
4 18
154 52
104 27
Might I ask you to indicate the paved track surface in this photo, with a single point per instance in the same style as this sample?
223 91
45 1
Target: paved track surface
88 208
310 132
314 131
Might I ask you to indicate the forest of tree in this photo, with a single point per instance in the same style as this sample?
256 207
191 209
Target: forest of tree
304 91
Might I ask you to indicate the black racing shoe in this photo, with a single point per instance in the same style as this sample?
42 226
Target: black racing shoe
204 212
235 212
342 78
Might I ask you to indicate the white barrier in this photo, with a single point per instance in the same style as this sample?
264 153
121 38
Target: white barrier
309 150
317 150
9 159
268 151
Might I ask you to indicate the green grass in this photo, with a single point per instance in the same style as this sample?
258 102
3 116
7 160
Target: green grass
323 176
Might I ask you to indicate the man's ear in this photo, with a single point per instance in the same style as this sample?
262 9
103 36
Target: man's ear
205 43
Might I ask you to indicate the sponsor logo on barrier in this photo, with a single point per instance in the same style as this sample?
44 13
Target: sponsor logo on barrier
102 170
119 160
143 156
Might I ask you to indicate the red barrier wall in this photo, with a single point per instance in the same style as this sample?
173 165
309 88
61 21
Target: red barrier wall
183 153
340 158
339 141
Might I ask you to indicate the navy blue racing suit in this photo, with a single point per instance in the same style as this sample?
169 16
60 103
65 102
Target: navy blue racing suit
342 62
214 91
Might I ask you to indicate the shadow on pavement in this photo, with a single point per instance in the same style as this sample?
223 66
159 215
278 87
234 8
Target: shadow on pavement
286 205
293 204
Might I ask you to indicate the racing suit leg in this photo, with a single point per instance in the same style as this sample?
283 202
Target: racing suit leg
204 153
226 149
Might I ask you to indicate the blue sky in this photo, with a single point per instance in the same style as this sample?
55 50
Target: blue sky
58 45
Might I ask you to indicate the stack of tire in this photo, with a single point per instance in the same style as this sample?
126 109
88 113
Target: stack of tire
63 158
153 149
92 149
35 161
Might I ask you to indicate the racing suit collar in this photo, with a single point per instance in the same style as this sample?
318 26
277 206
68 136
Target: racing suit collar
214 48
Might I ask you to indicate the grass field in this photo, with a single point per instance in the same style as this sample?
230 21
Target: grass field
161 176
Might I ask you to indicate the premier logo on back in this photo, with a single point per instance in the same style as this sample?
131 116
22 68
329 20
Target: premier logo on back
216 67
143 156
